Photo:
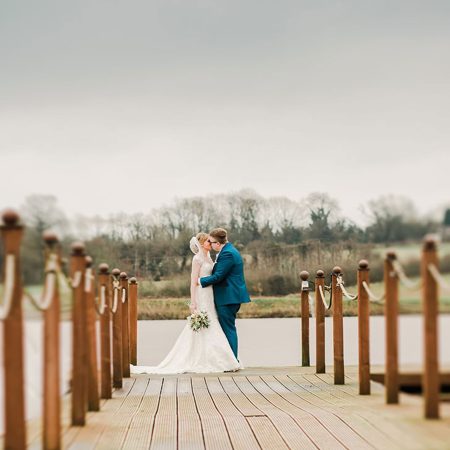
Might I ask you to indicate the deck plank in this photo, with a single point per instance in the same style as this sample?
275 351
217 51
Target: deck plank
141 426
190 435
242 403
89 436
241 435
403 419
165 435
346 427
292 434
215 433
266 433
313 427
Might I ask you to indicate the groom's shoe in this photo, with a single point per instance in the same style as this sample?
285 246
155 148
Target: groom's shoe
233 370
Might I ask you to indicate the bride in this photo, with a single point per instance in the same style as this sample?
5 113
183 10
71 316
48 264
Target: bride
206 350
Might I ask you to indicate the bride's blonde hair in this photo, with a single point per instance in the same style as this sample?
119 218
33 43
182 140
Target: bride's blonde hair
201 237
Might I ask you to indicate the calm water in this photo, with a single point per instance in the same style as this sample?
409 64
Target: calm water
262 342
276 342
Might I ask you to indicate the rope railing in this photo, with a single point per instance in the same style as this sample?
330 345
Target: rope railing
10 267
340 283
116 289
440 280
322 296
75 282
82 287
51 278
372 297
407 282
101 308
88 279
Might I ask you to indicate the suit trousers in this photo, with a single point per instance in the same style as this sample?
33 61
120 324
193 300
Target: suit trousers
227 320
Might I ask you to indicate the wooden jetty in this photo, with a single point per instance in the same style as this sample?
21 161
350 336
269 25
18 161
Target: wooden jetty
256 408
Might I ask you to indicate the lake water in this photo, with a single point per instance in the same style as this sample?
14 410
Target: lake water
262 342
277 342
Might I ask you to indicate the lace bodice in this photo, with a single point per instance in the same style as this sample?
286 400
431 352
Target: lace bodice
205 296
206 264
206 268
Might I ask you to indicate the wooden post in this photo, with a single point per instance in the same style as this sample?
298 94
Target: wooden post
92 381
117 330
320 324
431 383
363 329
391 315
52 391
105 332
132 300
79 337
14 406
125 325
304 275
338 328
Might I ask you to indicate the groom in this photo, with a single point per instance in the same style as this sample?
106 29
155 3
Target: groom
228 284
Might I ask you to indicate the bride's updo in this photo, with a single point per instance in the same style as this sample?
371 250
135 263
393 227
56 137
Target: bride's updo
201 237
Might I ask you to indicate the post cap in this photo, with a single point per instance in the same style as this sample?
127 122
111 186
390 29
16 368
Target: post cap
78 249
391 254
50 237
320 273
304 275
103 268
430 242
10 217
88 259
132 280
363 264
115 272
337 270
123 275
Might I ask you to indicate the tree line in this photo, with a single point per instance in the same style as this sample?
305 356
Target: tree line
268 231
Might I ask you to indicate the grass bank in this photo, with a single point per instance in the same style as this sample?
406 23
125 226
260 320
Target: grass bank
150 308
285 306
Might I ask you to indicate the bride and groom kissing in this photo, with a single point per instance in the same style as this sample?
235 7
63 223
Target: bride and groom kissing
218 289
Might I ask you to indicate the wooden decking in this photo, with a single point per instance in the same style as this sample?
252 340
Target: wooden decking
269 408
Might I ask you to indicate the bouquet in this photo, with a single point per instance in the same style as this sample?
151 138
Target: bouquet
199 320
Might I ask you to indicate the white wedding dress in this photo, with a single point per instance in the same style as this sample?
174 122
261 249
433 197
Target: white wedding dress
203 351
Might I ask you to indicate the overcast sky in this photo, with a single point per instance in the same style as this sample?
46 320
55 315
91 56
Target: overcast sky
124 105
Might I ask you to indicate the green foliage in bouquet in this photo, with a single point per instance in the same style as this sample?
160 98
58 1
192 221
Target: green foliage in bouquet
199 320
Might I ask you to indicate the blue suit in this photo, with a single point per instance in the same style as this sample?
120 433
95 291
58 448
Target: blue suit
230 290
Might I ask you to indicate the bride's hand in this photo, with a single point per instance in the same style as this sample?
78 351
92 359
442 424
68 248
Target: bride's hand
193 308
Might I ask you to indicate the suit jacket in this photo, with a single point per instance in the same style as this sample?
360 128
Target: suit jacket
227 278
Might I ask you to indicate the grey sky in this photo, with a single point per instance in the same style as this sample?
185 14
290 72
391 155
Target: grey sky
124 105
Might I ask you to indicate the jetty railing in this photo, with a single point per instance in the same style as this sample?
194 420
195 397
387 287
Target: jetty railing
105 298
431 282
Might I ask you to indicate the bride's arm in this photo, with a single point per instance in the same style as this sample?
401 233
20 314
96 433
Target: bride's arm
195 273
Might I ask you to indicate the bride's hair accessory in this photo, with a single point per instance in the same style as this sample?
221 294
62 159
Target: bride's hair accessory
194 245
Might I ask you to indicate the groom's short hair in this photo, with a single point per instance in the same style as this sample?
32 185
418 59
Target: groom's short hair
220 234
